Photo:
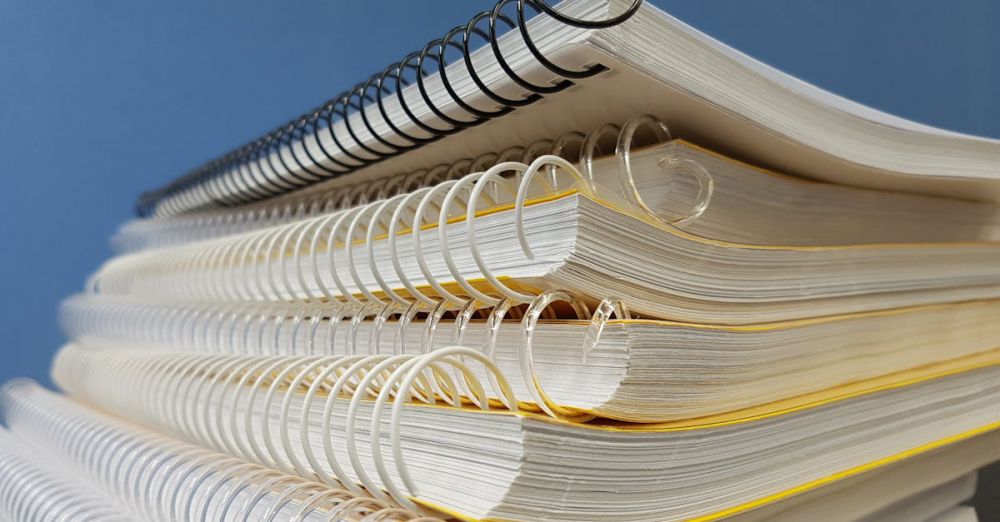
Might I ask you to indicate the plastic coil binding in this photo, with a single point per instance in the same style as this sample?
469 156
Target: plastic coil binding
263 408
573 146
278 163
207 224
259 263
34 490
289 332
160 478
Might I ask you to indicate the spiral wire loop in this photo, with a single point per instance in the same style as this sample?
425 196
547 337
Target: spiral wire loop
209 224
210 338
159 478
32 489
281 161
337 259
320 258
243 406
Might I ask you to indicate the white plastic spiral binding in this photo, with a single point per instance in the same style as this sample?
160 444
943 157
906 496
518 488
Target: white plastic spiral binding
34 490
277 331
229 403
284 263
196 226
295 207
159 478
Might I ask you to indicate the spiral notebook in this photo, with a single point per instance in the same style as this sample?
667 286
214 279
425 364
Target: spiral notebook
630 372
478 462
567 276
579 57
486 230
703 192
171 478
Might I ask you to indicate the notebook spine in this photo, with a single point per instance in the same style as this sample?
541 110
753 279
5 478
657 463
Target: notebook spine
160 478
276 163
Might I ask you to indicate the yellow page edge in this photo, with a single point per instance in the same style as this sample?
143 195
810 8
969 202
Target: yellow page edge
650 220
784 494
811 400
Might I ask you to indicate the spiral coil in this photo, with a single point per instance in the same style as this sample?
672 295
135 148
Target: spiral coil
237 403
280 162
272 260
573 146
332 257
34 490
159 478
208 224
288 331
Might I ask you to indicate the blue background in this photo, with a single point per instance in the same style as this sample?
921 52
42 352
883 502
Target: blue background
100 100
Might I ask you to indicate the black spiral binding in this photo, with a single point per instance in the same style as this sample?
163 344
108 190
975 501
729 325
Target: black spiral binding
210 178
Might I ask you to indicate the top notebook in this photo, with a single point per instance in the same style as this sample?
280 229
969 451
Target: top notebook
573 66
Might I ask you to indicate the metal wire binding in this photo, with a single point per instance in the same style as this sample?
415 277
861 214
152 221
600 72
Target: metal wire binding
159 478
280 162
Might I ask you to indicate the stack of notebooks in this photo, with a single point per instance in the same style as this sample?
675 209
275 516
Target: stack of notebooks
568 262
